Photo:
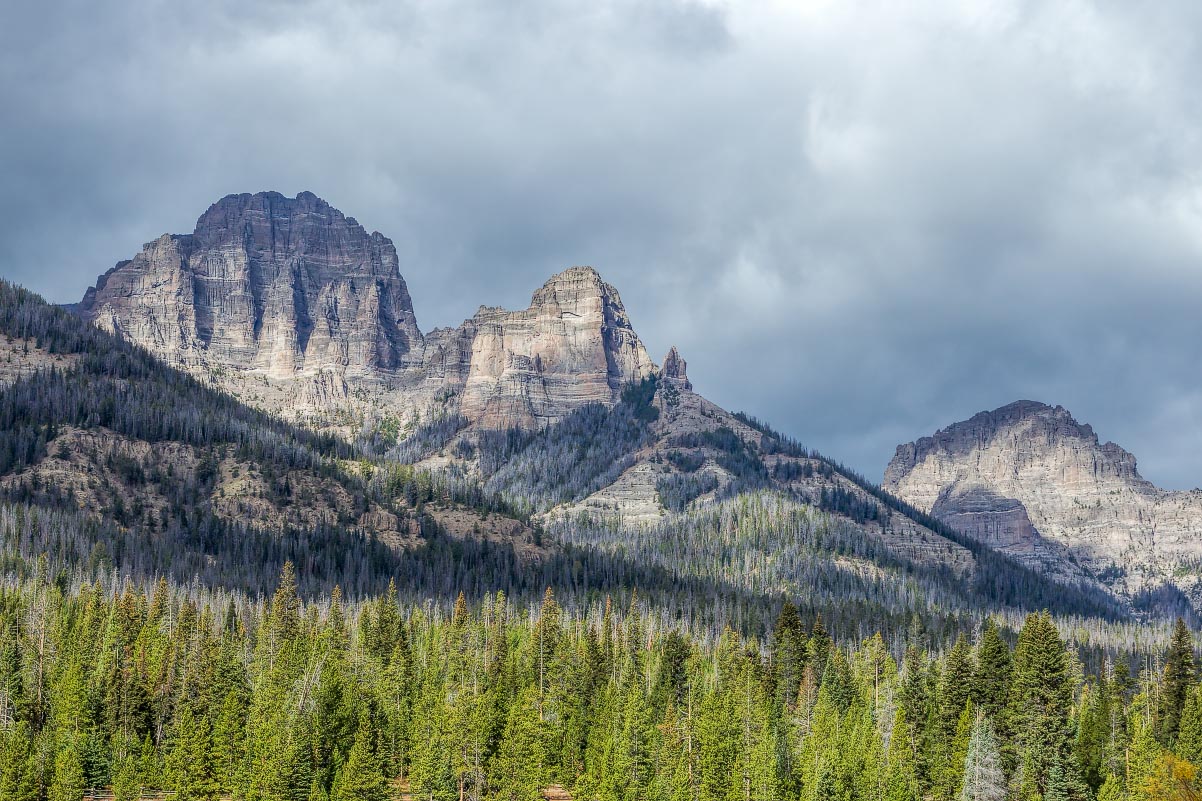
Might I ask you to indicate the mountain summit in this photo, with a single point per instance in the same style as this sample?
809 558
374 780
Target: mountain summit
274 285
1033 482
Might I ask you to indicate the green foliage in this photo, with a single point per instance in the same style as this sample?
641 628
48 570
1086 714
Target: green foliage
361 776
174 689
1178 675
639 397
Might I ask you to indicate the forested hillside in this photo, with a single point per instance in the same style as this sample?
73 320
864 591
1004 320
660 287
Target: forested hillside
208 695
114 461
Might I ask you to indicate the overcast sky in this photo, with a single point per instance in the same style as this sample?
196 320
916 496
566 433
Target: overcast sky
858 220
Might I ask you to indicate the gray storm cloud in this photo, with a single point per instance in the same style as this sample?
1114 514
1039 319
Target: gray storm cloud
858 220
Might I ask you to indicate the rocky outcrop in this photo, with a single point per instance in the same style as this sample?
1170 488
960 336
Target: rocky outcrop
273 285
574 345
675 371
1031 481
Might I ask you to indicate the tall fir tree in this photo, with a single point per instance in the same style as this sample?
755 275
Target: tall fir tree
991 681
1040 703
516 773
361 776
1178 676
788 655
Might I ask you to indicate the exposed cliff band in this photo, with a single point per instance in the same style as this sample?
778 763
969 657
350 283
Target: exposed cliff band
293 291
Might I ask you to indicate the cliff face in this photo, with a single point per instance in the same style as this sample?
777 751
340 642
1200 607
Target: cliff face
296 308
1030 480
269 284
573 345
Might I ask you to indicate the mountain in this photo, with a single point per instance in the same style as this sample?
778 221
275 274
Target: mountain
295 308
522 448
1029 480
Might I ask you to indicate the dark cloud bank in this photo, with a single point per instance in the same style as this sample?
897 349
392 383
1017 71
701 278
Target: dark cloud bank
858 220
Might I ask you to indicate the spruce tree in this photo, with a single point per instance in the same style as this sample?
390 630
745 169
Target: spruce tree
991 682
901 780
69 779
788 655
818 648
516 773
1040 702
955 685
1189 733
190 763
1178 676
361 777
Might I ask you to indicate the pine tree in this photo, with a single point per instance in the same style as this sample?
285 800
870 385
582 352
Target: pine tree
819 647
190 762
788 655
955 685
361 777
1093 727
228 740
991 682
901 780
1040 703
1189 733
127 783
547 641
1112 789
953 772
69 779
1178 675
516 772
1145 752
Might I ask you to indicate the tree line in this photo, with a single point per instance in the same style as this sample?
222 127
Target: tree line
175 689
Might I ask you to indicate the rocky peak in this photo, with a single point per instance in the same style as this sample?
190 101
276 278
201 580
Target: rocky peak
294 291
1031 480
1017 432
266 283
573 345
675 370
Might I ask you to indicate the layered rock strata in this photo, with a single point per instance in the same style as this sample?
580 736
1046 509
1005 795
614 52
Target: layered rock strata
1033 482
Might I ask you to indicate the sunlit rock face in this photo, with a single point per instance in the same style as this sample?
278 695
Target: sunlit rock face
1030 480
294 295
573 345
274 285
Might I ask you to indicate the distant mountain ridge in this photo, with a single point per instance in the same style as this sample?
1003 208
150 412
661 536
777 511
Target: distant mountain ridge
1030 480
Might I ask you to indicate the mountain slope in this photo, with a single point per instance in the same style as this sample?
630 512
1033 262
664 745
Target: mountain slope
167 475
1031 481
